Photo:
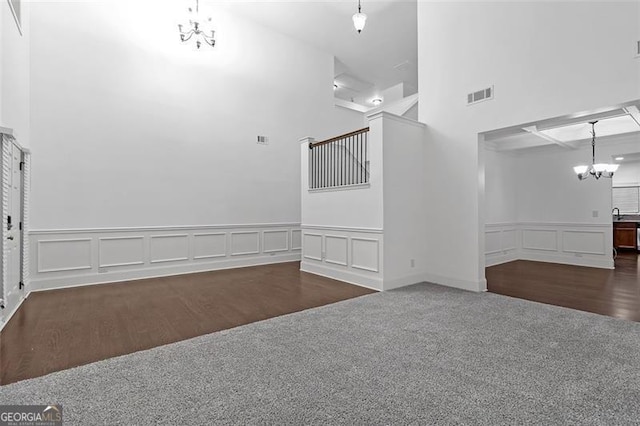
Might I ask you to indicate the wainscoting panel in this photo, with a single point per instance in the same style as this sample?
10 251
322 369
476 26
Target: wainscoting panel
540 239
207 246
586 242
61 255
169 248
296 239
336 249
501 243
71 257
581 244
312 246
364 254
120 251
349 254
245 242
275 241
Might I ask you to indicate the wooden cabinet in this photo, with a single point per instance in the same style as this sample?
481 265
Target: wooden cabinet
624 235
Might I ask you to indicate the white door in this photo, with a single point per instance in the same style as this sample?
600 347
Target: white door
14 232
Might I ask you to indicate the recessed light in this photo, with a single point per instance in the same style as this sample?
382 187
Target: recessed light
619 158
376 101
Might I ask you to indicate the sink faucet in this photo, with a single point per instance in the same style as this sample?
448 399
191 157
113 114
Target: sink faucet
618 215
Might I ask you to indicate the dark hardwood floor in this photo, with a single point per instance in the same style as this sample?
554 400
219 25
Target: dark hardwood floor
59 329
615 293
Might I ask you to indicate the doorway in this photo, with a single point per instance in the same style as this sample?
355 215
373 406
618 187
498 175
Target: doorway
14 171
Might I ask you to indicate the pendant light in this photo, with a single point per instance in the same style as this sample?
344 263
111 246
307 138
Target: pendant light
359 19
198 28
596 170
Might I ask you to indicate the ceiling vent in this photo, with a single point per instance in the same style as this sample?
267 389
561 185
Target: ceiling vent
480 95
263 140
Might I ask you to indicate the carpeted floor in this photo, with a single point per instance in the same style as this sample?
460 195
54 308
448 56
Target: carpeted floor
419 355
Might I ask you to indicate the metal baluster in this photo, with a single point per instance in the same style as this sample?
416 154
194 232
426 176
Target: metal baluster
366 158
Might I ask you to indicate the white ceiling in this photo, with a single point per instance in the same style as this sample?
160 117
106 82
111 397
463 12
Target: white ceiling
383 55
569 132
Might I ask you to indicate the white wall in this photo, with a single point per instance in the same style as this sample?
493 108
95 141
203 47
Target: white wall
405 202
545 59
501 189
132 128
14 72
628 172
145 157
557 218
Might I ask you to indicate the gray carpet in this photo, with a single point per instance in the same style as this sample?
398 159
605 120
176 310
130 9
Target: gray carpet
419 355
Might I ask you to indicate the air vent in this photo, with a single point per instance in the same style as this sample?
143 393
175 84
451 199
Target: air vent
638 49
480 95
263 140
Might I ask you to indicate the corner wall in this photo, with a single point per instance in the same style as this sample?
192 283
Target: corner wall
136 135
539 56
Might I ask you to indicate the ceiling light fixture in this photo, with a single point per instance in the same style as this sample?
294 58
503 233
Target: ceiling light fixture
596 170
376 101
197 28
619 158
359 19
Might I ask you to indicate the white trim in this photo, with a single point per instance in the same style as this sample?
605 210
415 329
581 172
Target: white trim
231 234
341 187
211 256
4 322
366 268
64 240
6 131
394 117
555 231
48 283
343 229
589 262
173 259
601 252
403 281
114 265
367 281
159 228
15 18
291 235
273 231
304 255
346 249
475 286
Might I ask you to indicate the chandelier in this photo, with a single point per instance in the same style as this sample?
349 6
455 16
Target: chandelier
197 27
359 19
596 170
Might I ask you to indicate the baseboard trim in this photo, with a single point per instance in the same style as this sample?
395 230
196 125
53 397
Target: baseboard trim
585 261
403 281
6 321
372 283
475 286
45 284
499 259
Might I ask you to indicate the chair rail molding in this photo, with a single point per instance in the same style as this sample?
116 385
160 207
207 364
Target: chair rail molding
74 257
570 243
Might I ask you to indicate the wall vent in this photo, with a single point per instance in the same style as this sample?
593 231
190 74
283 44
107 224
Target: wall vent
638 49
480 95
263 140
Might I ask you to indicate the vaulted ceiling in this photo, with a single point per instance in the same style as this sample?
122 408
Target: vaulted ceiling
383 55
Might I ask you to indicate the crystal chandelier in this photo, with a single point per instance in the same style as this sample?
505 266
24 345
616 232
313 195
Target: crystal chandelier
359 19
197 27
596 170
